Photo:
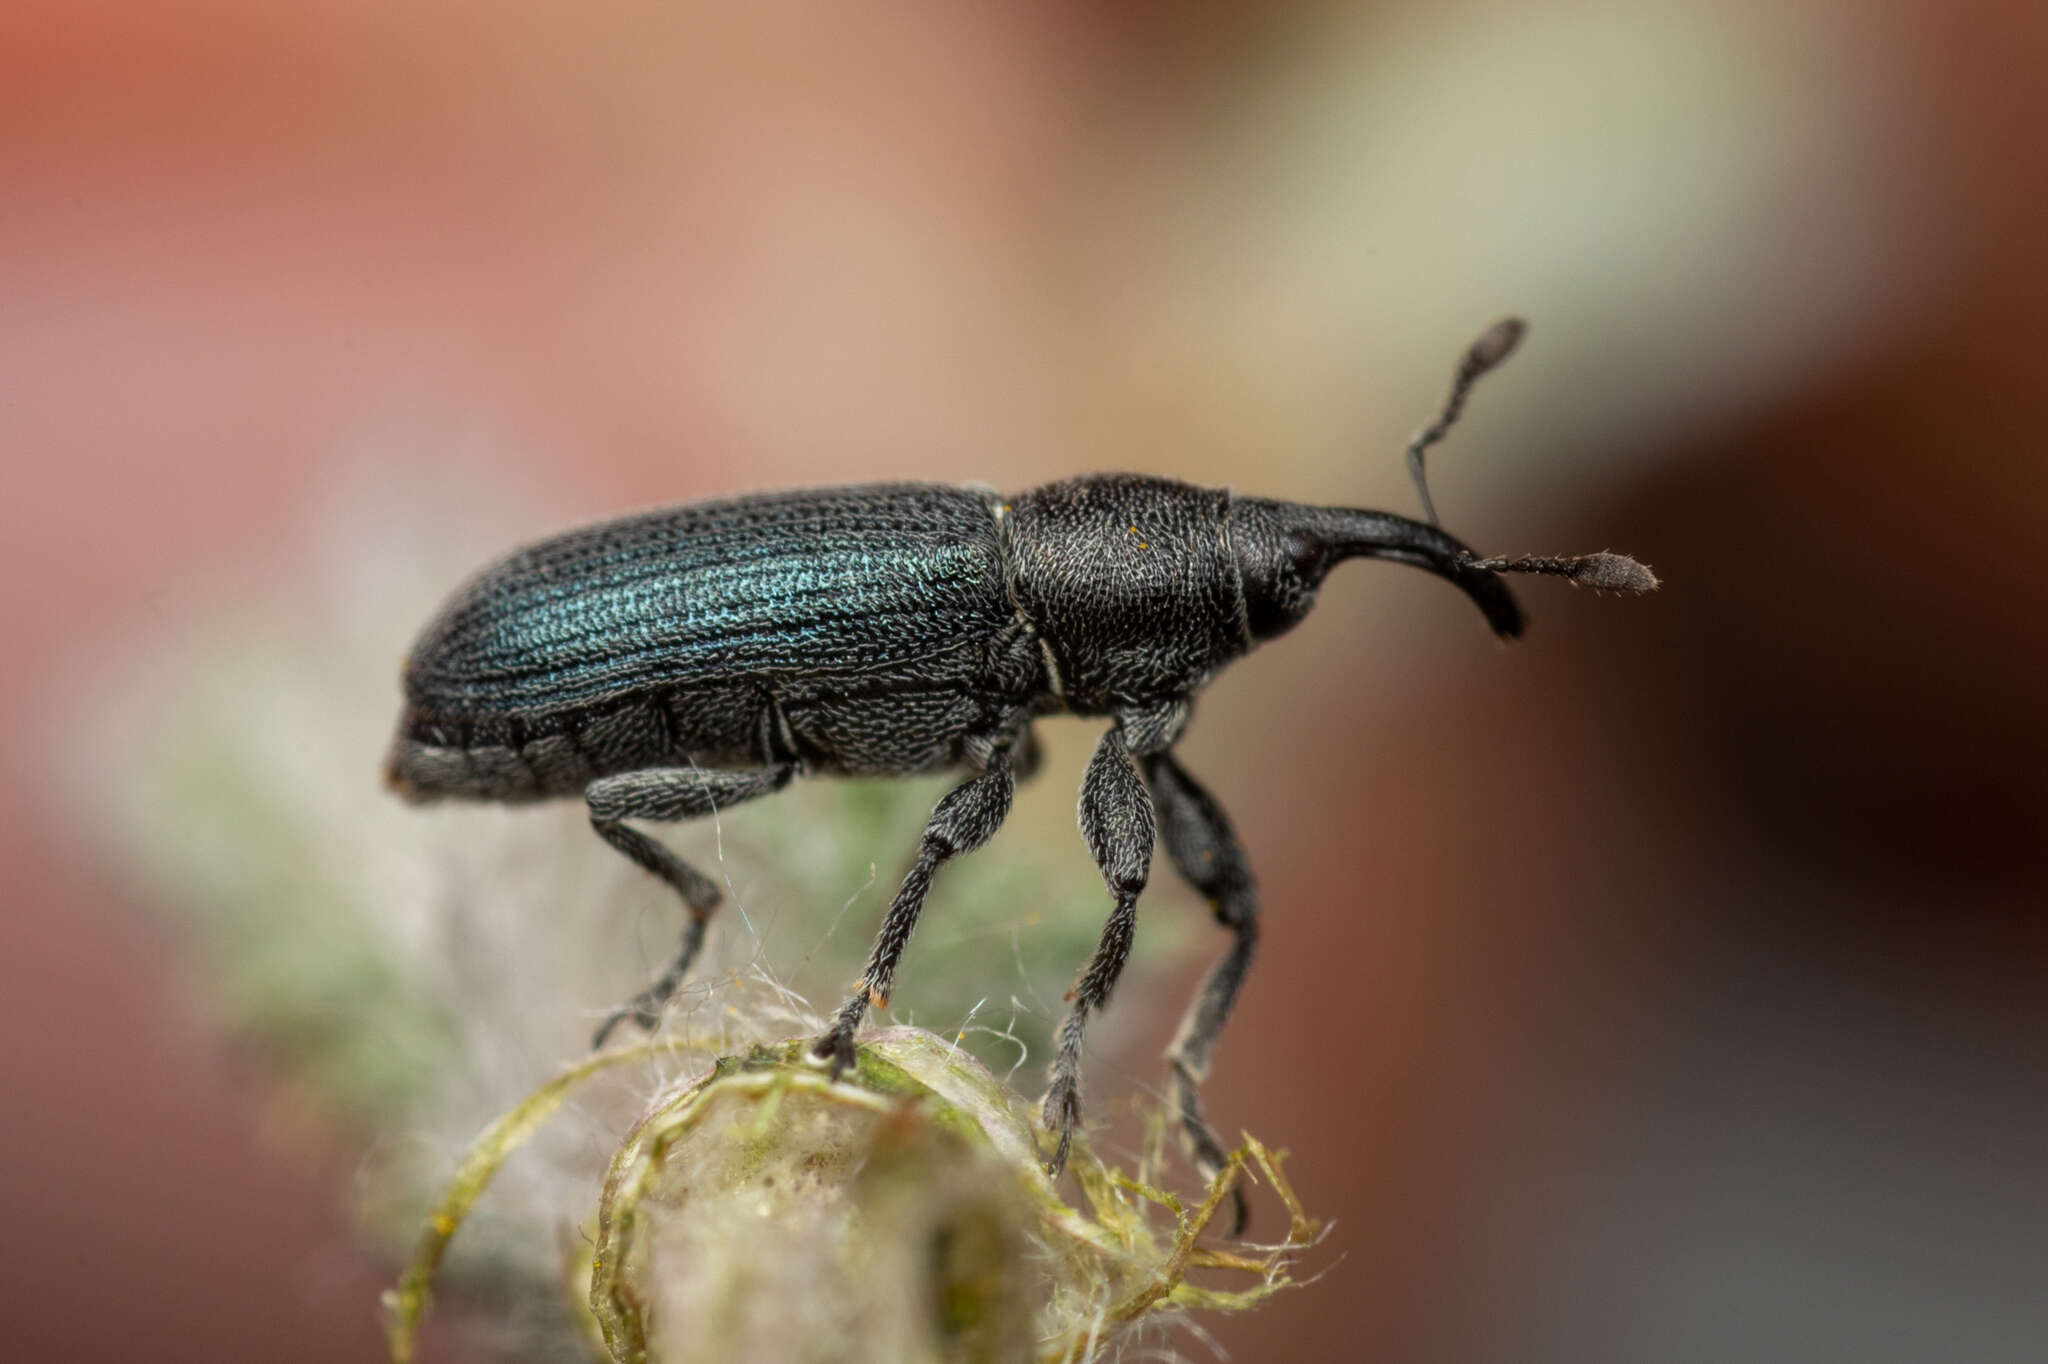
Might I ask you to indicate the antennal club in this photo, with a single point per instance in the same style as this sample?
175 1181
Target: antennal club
1493 345
1603 572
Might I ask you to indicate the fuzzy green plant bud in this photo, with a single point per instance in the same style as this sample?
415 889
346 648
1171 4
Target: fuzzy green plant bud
766 1211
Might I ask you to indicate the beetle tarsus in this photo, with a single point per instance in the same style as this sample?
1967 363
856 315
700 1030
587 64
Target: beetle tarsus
1061 1114
835 1048
1201 1142
644 1009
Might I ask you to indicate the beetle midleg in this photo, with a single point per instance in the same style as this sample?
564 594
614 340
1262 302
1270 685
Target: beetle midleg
1116 821
1199 841
670 793
964 819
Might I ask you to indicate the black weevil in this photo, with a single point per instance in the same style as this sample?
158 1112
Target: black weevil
670 664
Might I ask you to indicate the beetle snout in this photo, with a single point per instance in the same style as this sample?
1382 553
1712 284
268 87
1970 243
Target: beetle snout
1286 548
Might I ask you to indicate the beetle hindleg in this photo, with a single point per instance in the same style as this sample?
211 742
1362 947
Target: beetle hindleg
670 793
967 817
1116 820
1199 840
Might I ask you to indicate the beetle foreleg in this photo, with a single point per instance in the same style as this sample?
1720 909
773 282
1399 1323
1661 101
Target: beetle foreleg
1199 840
967 817
670 793
1116 821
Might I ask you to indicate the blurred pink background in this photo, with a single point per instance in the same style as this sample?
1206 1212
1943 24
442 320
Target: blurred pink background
1667 987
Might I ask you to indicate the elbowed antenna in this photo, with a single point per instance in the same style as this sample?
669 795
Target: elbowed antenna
1486 352
1285 549
1603 572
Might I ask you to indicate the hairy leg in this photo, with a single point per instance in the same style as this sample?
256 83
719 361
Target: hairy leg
1199 840
1116 820
669 793
967 817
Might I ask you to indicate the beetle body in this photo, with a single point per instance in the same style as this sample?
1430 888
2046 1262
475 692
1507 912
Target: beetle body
876 629
671 664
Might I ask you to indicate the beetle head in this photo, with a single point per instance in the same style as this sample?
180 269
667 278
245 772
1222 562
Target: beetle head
1285 549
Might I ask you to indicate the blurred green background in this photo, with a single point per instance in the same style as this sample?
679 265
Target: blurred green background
1668 986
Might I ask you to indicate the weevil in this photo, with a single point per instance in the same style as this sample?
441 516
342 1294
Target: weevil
672 664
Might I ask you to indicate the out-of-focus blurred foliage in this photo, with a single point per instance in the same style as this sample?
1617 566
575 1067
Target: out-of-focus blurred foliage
763 1210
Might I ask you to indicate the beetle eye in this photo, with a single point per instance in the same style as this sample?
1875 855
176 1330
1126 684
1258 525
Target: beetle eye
1307 560
1280 567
